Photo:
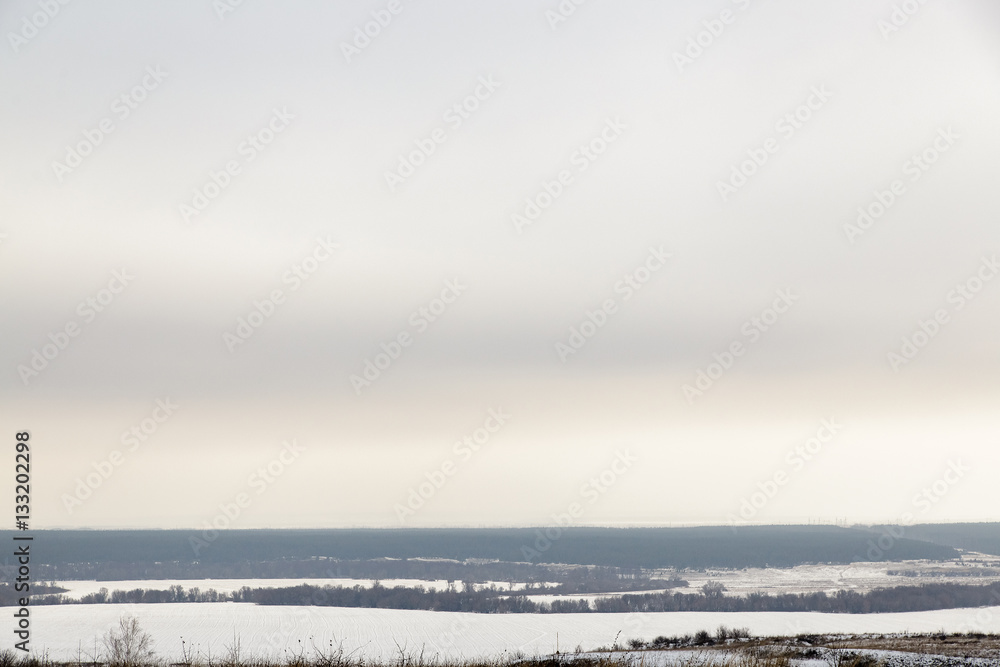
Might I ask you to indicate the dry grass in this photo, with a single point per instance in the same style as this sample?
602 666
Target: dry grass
758 658
732 651
973 645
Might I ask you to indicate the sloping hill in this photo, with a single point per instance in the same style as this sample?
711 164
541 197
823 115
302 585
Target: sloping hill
981 537
699 547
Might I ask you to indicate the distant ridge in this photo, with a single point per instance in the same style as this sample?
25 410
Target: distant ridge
981 537
688 547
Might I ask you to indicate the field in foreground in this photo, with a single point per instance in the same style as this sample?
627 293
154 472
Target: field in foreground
722 650
206 630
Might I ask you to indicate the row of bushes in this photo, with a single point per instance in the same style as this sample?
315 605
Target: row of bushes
498 601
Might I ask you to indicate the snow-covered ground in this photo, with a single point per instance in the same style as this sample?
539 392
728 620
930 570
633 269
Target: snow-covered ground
860 577
374 633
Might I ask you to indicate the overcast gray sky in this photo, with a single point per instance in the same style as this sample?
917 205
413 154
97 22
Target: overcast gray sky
692 300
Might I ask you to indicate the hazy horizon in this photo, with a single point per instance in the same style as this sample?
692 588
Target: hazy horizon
501 262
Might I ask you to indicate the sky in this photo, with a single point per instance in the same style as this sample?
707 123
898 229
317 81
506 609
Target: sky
404 264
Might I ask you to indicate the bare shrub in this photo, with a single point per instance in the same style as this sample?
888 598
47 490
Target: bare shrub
128 645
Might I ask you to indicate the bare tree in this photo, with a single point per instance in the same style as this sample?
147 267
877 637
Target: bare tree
713 589
128 645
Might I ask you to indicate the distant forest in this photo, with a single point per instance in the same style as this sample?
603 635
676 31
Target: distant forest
981 537
9 596
253 553
496 600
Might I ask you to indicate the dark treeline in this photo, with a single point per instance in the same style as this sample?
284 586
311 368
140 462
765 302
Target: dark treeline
881 600
134 596
497 601
9 596
356 596
604 585
453 598
488 601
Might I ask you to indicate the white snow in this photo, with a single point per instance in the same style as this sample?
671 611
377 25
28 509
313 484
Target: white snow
860 576
210 627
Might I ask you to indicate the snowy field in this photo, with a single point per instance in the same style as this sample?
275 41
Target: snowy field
374 633
209 628
860 577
